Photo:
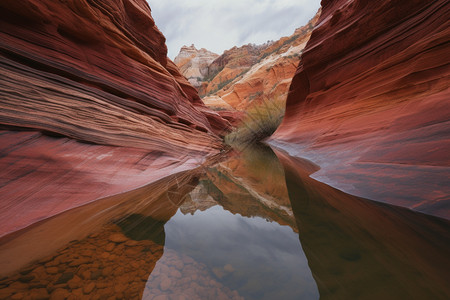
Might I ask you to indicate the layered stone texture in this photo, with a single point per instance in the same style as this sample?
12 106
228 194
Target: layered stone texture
98 72
194 63
369 102
268 79
364 249
78 79
248 75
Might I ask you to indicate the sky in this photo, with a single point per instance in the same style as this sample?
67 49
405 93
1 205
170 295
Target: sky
218 25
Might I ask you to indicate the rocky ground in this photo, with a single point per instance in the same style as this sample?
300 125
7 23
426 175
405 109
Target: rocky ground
110 265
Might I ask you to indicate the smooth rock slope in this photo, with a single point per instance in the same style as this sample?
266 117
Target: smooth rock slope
78 79
369 102
96 71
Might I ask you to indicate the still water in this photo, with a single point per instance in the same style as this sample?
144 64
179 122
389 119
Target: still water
252 226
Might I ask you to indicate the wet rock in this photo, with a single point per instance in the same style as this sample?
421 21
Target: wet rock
228 268
86 274
26 279
88 288
18 286
78 293
65 277
96 274
107 271
117 238
18 296
165 283
218 272
131 243
110 247
52 270
39 294
79 261
59 294
188 260
103 284
175 274
120 288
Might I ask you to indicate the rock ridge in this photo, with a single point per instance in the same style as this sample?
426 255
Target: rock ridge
369 102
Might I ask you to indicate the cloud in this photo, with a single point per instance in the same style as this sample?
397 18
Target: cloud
220 25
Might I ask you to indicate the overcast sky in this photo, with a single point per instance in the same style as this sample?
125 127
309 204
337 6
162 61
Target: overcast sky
218 25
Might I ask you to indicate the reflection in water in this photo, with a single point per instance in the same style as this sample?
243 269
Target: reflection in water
239 229
358 249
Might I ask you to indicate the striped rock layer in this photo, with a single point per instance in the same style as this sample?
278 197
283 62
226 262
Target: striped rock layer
90 106
369 102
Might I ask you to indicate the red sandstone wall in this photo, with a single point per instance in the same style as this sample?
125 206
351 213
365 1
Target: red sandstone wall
97 71
370 101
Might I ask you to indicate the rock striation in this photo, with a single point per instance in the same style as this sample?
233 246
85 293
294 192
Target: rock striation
251 74
90 106
269 77
369 102
194 64
97 71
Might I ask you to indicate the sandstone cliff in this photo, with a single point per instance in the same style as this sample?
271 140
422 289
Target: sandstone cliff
269 77
96 71
369 102
79 78
194 64
247 75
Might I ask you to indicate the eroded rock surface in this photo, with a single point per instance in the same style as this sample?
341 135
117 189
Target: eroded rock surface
244 76
369 102
96 71
194 63
78 79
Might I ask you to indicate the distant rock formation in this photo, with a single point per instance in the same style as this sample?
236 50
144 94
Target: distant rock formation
369 102
194 64
247 75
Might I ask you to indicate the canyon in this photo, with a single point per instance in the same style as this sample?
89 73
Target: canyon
116 179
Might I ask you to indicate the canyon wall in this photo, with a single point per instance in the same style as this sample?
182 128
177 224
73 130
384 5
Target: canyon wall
244 76
268 78
78 80
369 102
96 71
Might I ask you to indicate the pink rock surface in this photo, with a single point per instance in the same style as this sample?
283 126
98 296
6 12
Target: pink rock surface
97 72
43 176
369 102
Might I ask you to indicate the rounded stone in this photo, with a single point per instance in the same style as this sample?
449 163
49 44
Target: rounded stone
52 270
165 284
88 288
117 238
59 294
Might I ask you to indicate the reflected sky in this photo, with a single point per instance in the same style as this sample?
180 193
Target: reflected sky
266 258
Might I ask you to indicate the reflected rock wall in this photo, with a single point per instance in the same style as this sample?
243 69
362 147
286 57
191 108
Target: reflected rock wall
360 249
369 102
